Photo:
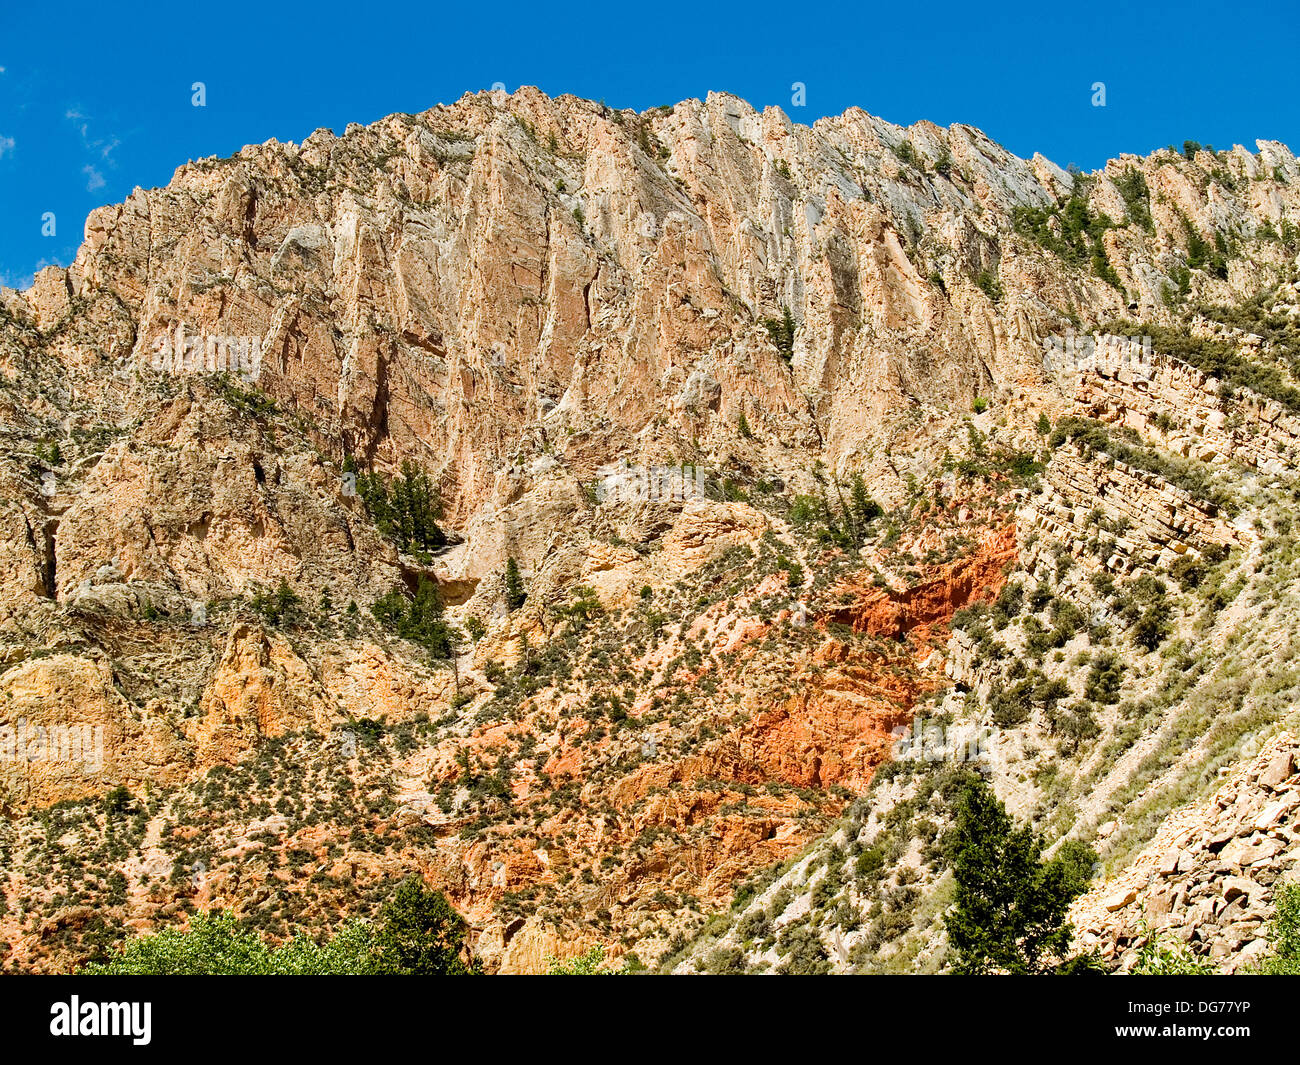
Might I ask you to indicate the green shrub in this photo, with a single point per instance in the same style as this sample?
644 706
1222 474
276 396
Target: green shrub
279 608
1284 934
1152 627
583 606
782 332
1009 906
989 284
1012 706
1165 956
592 963
1105 677
1133 188
117 802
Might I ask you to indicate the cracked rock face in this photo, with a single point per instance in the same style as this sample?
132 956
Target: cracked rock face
505 270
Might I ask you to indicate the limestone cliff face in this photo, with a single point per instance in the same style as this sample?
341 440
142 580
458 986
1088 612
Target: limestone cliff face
507 274
512 277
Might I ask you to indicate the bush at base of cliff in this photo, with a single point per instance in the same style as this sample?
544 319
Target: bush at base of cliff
215 945
1168 957
418 933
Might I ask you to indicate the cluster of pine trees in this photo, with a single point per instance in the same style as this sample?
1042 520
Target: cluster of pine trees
838 521
405 509
417 618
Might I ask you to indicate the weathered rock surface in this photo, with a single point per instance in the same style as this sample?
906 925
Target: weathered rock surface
517 293
1206 878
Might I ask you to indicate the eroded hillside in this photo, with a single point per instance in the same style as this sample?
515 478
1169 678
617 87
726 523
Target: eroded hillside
794 439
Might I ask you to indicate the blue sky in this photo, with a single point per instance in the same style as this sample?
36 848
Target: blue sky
96 100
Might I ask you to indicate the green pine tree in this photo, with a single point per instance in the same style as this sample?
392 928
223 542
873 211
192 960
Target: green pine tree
1009 908
421 934
515 594
417 618
406 509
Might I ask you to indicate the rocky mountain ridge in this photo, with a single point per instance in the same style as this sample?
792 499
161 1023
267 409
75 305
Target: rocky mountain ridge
527 298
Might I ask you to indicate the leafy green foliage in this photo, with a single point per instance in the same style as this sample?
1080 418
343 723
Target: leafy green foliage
1076 860
1105 676
1284 932
405 509
216 945
981 463
591 963
1150 630
1014 706
117 802
1165 956
417 618
1202 254
1009 906
782 333
418 933
252 402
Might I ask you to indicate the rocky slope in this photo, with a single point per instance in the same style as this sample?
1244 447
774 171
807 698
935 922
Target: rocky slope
519 295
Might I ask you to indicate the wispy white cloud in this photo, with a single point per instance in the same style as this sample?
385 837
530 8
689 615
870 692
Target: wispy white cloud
6 143
100 148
